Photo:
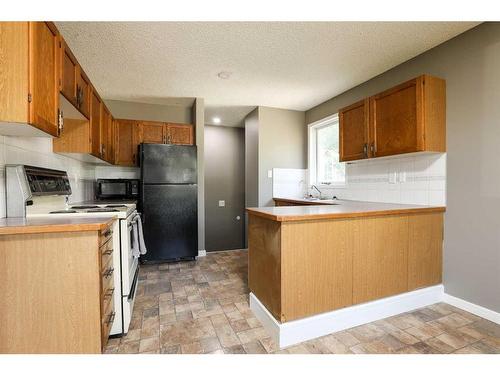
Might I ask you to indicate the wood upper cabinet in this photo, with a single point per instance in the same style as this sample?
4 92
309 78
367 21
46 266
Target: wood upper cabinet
95 124
69 73
74 84
29 77
410 117
127 137
180 134
153 132
44 76
353 131
107 133
83 91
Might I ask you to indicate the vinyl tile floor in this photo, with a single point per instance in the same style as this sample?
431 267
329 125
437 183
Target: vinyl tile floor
202 307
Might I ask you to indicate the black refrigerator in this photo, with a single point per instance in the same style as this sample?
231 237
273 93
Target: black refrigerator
169 202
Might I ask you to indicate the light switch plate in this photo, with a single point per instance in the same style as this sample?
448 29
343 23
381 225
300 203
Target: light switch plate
222 203
270 173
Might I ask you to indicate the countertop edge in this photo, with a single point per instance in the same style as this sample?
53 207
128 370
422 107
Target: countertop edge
56 227
345 215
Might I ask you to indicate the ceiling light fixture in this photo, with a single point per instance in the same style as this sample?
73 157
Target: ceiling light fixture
216 120
224 75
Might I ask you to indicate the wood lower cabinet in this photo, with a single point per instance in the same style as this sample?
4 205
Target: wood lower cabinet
380 259
58 294
410 117
127 138
353 131
307 267
29 77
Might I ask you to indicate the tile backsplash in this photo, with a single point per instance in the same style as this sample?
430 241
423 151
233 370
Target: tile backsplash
412 179
289 183
37 151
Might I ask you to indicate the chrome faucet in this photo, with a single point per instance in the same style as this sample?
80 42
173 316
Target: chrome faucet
316 188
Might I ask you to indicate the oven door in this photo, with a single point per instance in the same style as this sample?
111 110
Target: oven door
129 263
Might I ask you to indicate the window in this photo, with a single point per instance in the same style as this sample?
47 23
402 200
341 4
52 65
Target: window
324 165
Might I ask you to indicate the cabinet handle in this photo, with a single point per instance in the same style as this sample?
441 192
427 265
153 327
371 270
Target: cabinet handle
111 318
107 233
108 252
373 149
365 150
108 273
109 293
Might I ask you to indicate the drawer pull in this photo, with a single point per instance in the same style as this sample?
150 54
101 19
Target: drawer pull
111 318
107 233
108 252
108 273
109 293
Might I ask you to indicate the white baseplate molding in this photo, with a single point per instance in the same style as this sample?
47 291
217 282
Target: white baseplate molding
202 253
478 310
300 330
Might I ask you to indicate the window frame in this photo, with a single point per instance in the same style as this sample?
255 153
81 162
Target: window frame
312 154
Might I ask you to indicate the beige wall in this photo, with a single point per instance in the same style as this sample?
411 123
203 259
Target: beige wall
149 112
470 65
198 117
282 144
252 159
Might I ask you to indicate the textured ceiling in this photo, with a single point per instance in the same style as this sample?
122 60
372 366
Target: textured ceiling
278 64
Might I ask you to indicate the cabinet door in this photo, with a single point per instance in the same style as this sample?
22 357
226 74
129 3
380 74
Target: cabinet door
353 131
95 124
44 76
127 137
105 115
83 92
153 132
69 72
110 147
180 134
396 124
380 260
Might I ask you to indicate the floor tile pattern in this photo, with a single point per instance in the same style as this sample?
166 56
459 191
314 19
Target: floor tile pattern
202 307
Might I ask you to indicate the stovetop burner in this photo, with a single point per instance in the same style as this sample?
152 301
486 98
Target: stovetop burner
63 212
115 205
83 207
102 210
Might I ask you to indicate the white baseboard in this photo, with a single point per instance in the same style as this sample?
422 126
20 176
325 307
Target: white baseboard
481 311
297 331
202 253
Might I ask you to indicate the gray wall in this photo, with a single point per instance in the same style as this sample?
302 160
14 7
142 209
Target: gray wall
198 116
470 65
282 144
149 112
224 180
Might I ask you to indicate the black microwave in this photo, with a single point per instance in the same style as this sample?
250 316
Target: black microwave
117 189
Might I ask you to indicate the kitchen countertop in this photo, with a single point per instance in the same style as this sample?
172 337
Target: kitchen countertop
307 201
19 225
341 209
107 201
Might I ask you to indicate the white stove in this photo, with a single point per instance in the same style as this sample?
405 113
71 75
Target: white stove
49 198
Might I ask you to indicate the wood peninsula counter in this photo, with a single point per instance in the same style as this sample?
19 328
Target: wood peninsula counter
307 260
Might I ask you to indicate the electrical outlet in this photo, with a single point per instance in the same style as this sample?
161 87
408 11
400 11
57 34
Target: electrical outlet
222 203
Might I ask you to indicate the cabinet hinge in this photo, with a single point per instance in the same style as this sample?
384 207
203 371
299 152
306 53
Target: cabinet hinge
30 98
